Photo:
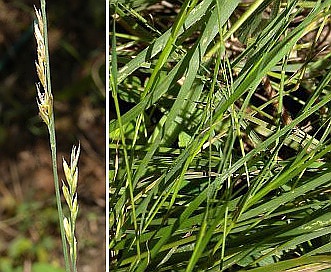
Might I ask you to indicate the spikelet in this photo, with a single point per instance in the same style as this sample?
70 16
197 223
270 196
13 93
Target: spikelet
44 99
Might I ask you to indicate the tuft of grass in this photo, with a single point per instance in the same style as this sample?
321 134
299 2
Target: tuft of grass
219 152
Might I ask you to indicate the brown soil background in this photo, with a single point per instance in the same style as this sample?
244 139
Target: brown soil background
77 53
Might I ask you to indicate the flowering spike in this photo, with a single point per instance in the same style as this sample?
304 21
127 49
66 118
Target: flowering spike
44 99
69 192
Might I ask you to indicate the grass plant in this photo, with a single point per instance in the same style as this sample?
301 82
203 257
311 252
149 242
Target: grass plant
46 112
221 161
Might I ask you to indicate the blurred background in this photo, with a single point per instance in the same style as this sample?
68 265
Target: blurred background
29 232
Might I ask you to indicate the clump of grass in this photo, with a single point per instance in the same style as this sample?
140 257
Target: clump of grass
213 169
45 105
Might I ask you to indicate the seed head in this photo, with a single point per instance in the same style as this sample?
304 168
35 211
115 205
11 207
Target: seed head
70 195
44 99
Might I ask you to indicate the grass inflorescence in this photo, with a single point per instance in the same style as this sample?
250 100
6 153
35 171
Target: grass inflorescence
70 195
46 112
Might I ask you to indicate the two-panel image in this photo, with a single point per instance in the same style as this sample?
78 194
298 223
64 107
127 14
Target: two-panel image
159 135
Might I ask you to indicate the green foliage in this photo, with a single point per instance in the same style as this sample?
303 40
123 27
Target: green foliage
213 168
31 217
5 266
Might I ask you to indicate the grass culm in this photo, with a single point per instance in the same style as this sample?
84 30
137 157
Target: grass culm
46 112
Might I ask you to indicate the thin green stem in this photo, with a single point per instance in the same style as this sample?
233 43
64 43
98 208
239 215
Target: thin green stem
57 190
73 246
235 27
113 82
52 138
184 12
